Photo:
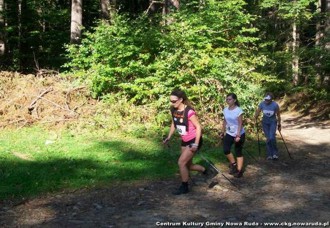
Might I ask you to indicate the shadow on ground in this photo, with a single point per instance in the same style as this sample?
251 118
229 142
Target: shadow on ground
283 191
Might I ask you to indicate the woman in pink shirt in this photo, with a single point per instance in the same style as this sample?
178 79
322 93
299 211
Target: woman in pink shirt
185 122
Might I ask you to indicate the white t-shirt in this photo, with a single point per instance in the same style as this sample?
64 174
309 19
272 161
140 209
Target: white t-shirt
231 118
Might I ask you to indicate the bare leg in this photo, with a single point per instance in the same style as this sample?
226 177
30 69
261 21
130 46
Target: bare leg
240 161
231 158
185 161
195 167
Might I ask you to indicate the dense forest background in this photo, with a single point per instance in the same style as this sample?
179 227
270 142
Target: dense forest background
140 50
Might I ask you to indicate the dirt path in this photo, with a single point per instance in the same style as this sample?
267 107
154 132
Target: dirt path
285 191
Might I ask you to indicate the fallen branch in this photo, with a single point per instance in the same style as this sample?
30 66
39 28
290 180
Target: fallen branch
68 98
56 120
57 105
32 105
152 4
11 122
45 72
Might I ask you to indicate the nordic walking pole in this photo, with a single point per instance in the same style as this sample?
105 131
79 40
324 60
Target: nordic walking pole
247 152
214 167
211 164
285 145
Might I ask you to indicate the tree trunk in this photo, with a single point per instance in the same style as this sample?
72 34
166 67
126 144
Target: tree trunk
322 41
105 7
112 10
19 30
295 56
327 24
168 4
318 36
2 29
166 8
154 6
108 10
326 78
76 21
319 32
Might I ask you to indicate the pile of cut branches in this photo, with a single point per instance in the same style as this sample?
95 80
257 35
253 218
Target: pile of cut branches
29 99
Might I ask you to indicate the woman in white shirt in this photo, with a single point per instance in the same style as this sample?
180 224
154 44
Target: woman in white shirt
233 133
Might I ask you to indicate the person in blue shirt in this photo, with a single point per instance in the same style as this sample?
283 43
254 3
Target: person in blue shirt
271 120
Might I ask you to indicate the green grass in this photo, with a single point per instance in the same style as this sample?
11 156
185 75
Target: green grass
30 165
35 161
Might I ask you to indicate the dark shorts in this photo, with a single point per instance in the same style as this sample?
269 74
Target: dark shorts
184 144
229 141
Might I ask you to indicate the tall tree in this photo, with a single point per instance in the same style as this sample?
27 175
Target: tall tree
19 20
286 28
105 9
295 48
108 10
76 20
112 10
168 4
325 80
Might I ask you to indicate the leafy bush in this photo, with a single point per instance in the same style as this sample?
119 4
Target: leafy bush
208 50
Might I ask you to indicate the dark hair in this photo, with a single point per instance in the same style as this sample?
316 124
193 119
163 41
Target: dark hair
181 95
233 95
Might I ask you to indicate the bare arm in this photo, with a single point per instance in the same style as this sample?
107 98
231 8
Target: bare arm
223 131
256 115
172 130
240 125
239 128
198 127
278 114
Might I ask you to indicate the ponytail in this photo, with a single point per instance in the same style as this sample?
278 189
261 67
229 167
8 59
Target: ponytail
233 95
181 95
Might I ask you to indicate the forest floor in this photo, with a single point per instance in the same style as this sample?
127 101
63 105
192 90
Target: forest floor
284 191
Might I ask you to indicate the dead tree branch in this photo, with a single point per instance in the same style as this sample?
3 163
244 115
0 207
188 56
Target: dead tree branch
68 98
33 103
57 105
151 6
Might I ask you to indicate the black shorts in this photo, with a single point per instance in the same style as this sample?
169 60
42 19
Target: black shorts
184 144
229 141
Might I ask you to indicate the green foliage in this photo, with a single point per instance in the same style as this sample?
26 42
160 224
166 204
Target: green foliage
275 26
117 113
293 10
208 53
112 57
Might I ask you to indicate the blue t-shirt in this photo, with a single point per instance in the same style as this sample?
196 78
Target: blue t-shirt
269 111
231 117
